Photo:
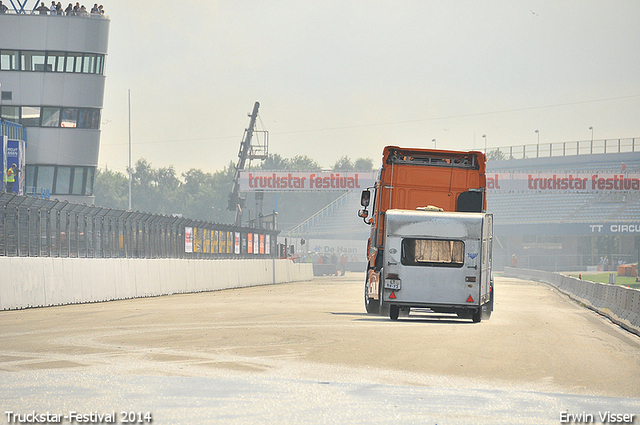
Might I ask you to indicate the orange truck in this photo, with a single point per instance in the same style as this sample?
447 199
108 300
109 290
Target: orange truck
431 238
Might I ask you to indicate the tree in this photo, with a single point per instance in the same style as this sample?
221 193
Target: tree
155 190
343 164
275 162
363 164
496 155
303 163
111 189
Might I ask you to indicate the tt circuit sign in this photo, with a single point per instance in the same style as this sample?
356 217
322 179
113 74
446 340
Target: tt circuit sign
615 228
283 181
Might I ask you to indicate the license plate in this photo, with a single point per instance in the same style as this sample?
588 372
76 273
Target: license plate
392 284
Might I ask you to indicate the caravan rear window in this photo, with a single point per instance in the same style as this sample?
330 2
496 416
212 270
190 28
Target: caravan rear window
432 252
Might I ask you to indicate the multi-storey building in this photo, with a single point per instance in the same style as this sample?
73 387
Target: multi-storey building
52 82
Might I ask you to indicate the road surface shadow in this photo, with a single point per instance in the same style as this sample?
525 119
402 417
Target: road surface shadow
415 318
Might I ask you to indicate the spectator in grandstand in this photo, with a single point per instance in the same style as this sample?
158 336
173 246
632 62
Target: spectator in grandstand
42 9
514 260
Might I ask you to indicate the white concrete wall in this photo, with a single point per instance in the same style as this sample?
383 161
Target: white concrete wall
620 304
37 282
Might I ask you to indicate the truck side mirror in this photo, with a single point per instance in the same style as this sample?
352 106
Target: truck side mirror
365 198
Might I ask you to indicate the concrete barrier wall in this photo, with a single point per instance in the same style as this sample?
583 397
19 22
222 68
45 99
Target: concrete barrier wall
37 282
620 304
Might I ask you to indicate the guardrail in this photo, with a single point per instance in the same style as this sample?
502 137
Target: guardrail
580 147
35 227
620 304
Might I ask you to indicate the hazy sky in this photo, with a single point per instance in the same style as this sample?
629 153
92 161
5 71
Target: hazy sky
348 77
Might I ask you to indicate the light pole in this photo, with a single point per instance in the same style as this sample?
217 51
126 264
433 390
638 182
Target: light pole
538 146
484 136
130 173
434 144
591 128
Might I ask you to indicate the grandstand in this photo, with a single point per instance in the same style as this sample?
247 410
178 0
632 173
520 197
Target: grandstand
550 230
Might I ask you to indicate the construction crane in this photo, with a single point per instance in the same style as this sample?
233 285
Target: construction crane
248 151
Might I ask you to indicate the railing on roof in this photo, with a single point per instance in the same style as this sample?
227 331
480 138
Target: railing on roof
12 130
580 147
19 7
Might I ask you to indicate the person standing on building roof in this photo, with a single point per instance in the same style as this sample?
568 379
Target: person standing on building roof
69 10
11 177
42 9
95 10
59 9
3 8
52 8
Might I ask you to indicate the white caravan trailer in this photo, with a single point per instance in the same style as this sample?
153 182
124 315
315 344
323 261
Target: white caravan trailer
437 260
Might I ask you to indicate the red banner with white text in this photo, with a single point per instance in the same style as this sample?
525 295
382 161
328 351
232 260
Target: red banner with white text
294 181
564 182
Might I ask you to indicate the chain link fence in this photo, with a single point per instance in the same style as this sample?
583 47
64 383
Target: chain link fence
35 227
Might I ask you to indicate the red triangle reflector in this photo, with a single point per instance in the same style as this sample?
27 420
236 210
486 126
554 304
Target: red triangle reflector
392 296
469 300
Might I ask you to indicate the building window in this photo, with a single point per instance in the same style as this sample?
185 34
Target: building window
10 113
61 179
89 118
69 118
78 177
9 60
55 61
30 116
89 64
50 117
91 171
99 64
43 177
30 175
33 61
6 95
45 61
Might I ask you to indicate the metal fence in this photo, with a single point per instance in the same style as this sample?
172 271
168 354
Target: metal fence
564 263
35 227
581 147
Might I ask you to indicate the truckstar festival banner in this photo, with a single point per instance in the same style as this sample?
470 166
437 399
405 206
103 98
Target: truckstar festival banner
304 181
564 182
